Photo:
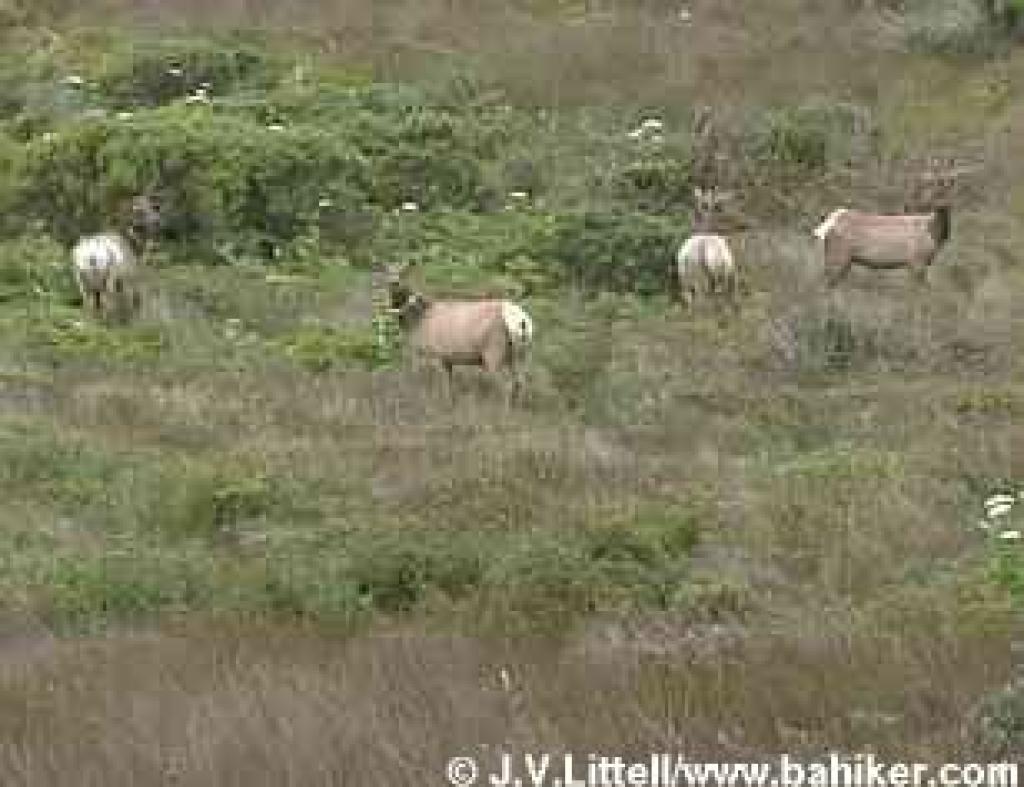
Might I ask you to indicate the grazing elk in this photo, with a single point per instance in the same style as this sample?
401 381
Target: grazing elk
705 256
490 333
888 241
106 264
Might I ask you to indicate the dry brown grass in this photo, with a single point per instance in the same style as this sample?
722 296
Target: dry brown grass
263 705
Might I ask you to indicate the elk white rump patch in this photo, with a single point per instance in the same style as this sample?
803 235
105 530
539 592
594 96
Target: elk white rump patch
822 230
710 252
95 257
98 251
517 322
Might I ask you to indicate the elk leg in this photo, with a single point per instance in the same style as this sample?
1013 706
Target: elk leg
838 262
687 294
448 374
919 270
733 291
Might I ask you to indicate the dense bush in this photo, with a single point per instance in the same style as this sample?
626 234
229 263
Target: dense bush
995 728
153 72
321 347
963 27
807 136
619 252
219 174
949 27
35 268
658 182
226 175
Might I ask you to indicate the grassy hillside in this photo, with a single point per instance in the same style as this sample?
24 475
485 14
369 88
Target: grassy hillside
244 538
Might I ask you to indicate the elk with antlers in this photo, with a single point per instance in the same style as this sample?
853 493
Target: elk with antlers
890 241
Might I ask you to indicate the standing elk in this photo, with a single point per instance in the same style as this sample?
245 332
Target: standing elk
106 264
705 256
493 334
888 241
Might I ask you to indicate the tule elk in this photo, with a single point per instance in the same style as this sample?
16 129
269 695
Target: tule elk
706 256
493 334
886 241
106 264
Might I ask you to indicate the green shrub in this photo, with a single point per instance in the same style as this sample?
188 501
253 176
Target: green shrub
950 27
808 136
996 725
220 174
193 499
140 74
460 250
622 563
394 571
658 183
68 473
226 176
36 267
420 153
1008 572
75 337
617 252
321 347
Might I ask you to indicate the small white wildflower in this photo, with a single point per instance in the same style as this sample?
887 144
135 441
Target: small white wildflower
175 71
518 195
1000 499
998 510
984 524
657 139
275 127
325 202
197 98
410 207
74 80
652 124
1010 535
125 115
635 133
48 136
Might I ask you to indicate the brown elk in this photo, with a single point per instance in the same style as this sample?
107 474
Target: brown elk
106 264
490 333
889 241
706 256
